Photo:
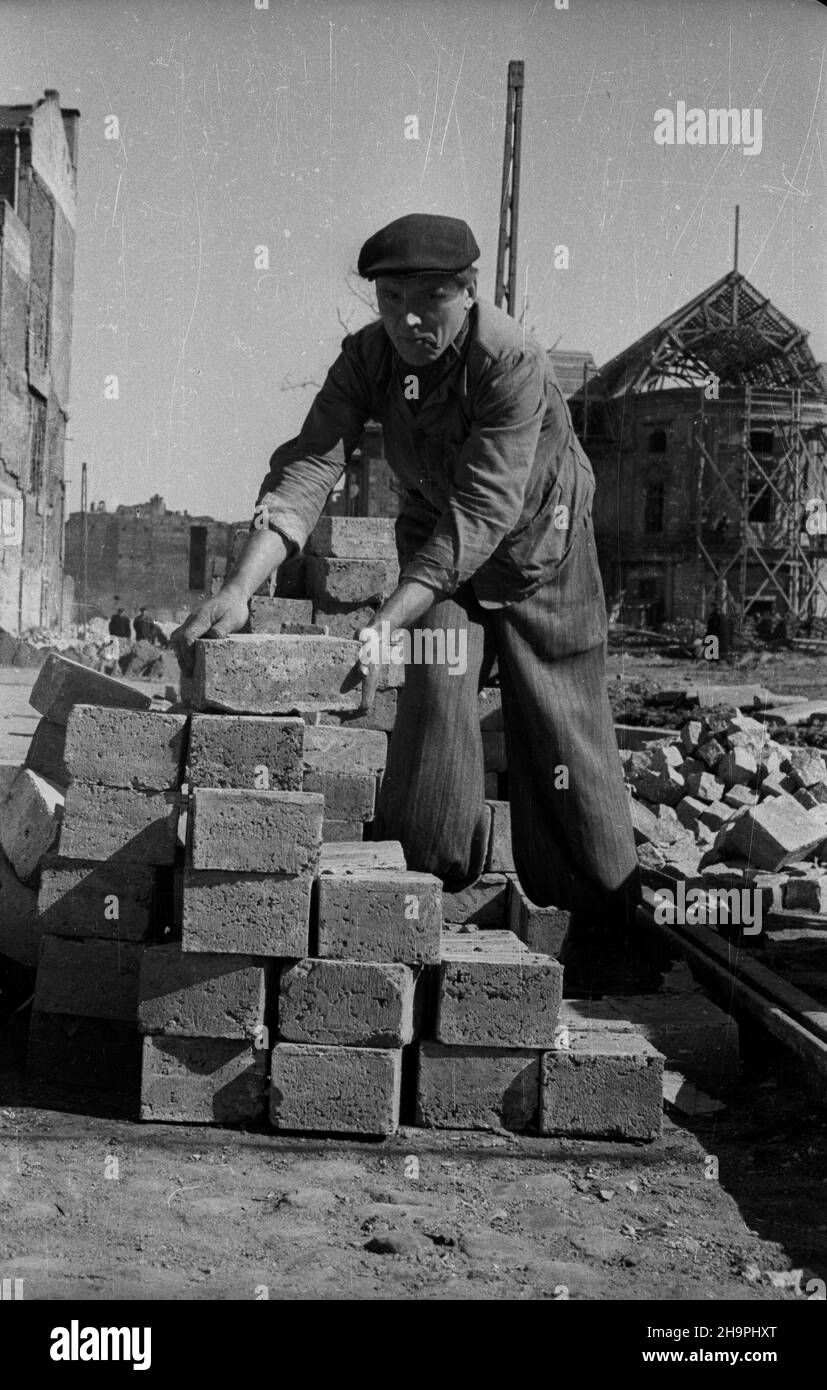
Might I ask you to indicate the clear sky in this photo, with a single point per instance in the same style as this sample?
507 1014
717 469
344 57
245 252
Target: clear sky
284 127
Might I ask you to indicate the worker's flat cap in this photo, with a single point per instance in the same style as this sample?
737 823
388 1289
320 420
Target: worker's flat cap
419 244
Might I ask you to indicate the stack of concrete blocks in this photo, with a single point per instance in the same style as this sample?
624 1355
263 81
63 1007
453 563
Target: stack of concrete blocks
108 890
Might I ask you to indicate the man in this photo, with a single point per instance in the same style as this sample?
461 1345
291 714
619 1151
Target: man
495 539
143 626
119 625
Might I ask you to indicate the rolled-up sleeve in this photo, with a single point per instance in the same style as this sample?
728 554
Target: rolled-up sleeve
303 471
490 476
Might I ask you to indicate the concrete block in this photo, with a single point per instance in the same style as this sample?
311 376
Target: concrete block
29 822
46 752
261 674
343 1090
337 831
484 902
270 614
691 734
477 1088
94 979
61 684
739 796
352 1003
694 1035
711 752
96 1053
101 899
343 619
350 581
543 929
381 716
361 858
704 786
255 831
500 853
380 916
806 894
738 767
716 814
775 832
203 1081
354 537
125 748
347 795
249 751
201 996
806 767
20 929
333 749
117 823
246 914
606 1085
689 811
493 996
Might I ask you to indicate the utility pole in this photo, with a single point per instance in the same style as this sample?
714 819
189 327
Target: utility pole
84 545
506 287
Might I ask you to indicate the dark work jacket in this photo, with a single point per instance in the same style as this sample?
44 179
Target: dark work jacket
498 491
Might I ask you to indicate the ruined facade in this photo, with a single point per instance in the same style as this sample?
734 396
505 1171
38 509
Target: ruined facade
145 556
708 439
38 167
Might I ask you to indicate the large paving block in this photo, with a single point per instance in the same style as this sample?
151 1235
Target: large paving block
246 914
382 715
347 795
354 537
343 619
100 899
250 751
46 752
97 1053
380 916
262 674
94 979
62 683
125 748
694 1035
606 1085
334 831
134 827
496 993
201 996
359 858
775 832
543 929
20 929
29 822
255 831
343 1090
219 1081
270 614
332 749
500 854
477 1087
350 581
483 903
352 1003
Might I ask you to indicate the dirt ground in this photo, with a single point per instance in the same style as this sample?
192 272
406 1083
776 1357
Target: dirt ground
95 1206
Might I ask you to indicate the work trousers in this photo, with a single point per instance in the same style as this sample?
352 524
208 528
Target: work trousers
570 822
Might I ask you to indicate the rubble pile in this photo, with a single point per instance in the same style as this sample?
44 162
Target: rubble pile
723 804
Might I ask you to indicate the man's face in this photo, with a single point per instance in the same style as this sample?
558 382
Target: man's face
422 314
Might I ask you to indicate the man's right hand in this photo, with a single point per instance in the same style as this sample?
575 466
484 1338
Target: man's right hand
218 617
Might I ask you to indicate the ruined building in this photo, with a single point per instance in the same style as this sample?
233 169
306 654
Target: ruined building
38 166
708 438
145 556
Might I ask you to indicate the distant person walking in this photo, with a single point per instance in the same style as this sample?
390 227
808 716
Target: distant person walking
144 626
717 626
119 625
